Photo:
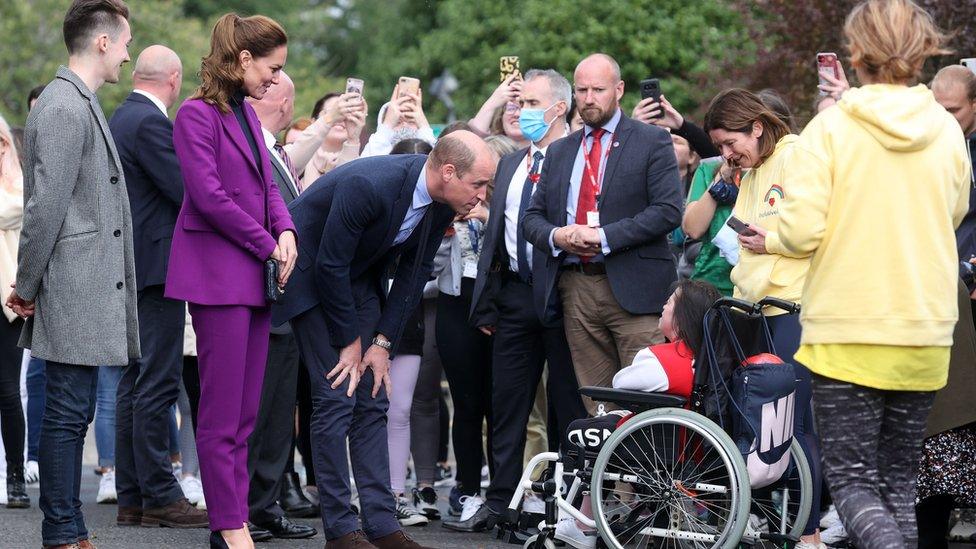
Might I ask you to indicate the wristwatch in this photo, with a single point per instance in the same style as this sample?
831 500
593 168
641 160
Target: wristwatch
385 344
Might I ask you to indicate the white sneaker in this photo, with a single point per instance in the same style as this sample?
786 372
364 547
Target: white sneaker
32 472
407 514
532 503
106 488
834 535
964 528
569 532
470 506
192 489
485 479
202 504
177 469
830 519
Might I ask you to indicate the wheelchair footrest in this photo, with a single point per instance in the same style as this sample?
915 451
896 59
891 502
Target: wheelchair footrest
508 533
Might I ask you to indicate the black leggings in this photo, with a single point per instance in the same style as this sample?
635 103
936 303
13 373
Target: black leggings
12 422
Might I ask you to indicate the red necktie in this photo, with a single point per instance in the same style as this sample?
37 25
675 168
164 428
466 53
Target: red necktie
590 180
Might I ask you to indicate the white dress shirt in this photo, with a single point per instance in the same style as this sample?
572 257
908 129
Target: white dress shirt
156 101
270 142
512 204
421 201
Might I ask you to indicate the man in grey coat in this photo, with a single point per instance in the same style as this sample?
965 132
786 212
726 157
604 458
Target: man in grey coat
76 269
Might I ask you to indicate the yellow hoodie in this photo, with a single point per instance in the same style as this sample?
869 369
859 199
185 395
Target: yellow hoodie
877 186
778 273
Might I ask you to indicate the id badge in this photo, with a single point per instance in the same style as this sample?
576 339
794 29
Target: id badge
593 219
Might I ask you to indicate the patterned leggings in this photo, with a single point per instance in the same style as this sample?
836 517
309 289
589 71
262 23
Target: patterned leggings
872 442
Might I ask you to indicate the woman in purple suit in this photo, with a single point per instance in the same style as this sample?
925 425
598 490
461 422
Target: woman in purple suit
231 222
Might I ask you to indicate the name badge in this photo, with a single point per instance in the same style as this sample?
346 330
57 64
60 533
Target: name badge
593 219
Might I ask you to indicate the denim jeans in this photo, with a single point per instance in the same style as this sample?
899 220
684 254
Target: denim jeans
108 383
36 380
68 410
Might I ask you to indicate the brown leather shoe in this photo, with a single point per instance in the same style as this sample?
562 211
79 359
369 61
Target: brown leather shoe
179 514
86 544
397 540
352 540
129 516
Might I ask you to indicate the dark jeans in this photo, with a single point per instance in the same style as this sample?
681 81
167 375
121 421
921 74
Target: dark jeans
12 423
69 409
146 395
36 380
466 356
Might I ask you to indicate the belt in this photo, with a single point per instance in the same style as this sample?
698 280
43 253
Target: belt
593 268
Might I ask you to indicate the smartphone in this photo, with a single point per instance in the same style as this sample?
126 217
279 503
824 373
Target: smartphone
739 226
507 66
969 63
651 87
354 85
827 64
408 86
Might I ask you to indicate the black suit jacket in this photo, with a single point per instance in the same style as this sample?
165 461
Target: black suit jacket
494 256
640 204
346 224
280 174
144 138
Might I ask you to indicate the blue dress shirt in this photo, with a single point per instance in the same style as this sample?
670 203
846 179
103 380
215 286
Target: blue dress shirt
421 201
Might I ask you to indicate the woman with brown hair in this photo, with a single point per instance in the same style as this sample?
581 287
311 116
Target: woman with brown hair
232 220
875 189
752 137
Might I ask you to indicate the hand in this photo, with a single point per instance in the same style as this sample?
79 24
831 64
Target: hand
394 109
836 86
755 243
355 121
328 159
648 111
487 330
348 366
479 212
378 359
347 103
20 306
506 92
412 112
566 238
286 253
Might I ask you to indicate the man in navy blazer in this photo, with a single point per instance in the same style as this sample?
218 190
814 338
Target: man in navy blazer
353 223
149 386
606 201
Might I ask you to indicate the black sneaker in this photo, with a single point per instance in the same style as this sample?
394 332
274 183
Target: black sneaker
425 500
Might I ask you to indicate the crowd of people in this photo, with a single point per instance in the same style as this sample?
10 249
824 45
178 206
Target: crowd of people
220 290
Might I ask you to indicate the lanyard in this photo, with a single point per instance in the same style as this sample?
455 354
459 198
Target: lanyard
589 168
473 235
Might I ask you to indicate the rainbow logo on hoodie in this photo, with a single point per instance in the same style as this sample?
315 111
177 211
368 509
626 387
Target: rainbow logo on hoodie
771 194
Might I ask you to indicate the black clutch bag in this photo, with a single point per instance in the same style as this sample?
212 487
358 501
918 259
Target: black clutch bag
271 289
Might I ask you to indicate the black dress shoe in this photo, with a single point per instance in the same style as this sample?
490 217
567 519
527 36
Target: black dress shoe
258 533
292 499
483 519
286 529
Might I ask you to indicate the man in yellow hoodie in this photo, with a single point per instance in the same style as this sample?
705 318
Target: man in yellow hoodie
877 187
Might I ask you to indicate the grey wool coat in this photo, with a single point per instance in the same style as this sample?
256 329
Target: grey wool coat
76 259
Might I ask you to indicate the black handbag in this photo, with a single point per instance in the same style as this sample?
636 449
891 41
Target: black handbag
272 292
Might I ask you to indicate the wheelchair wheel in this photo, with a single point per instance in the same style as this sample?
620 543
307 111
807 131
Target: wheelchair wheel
784 507
670 478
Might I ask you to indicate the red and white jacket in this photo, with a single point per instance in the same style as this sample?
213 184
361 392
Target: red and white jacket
665 368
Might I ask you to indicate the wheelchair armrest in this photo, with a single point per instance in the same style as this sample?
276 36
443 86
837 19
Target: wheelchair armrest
633 400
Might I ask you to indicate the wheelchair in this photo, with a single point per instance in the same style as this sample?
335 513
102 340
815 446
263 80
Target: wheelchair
670 475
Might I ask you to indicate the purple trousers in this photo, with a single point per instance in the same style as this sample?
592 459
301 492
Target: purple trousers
232 348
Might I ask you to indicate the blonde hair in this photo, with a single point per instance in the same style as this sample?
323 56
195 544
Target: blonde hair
891 39
11 173
221 73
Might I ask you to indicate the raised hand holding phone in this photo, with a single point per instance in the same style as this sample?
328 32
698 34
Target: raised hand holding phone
832 80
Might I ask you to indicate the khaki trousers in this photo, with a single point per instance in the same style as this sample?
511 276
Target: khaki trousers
603 337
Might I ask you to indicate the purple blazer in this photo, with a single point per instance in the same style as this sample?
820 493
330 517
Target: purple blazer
223 235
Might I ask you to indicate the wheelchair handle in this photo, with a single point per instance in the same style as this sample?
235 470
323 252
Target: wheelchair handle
740 304
788 306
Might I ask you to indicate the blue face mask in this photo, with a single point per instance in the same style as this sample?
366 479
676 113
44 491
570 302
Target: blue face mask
533 123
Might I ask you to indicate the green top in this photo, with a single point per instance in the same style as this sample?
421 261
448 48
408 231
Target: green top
710 266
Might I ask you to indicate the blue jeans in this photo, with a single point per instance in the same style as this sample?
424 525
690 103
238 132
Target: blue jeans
68 410
108 383
36 380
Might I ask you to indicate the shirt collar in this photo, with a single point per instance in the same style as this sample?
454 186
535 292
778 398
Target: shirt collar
269 139
533 149
610 127
155 100
421 195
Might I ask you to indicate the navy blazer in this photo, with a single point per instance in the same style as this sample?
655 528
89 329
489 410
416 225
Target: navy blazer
144 138
494 256
640 204
346 224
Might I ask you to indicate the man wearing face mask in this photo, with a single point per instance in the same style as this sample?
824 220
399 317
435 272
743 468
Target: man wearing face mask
502 305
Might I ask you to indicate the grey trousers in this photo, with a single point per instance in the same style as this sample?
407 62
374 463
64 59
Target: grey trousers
872 442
